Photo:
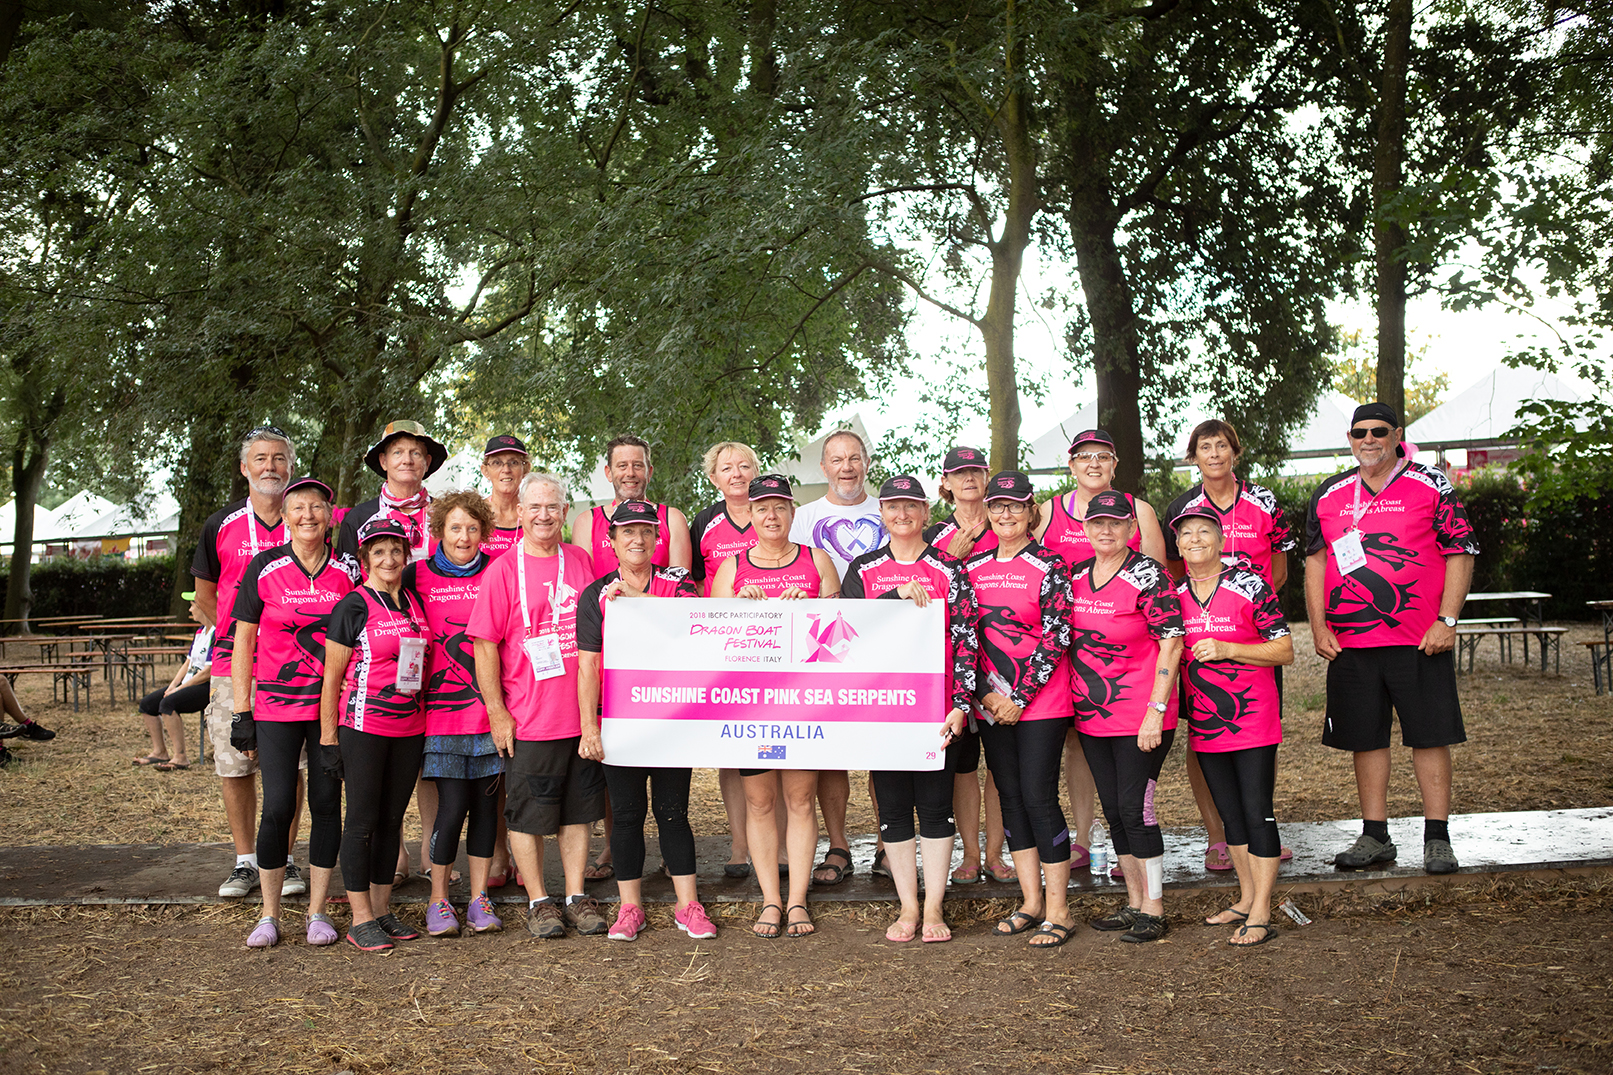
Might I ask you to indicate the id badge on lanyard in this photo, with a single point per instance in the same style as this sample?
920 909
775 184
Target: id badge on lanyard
1347 550
543 650
411 665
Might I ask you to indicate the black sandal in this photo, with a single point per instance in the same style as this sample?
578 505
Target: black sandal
840 872
776 927
790 924
879 868
1060 934
1015 925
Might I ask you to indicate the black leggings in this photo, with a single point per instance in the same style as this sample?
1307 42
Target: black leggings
1124 775
191 699
900 793
380 772
1024 759
457 799
1242 783
280 747
669 798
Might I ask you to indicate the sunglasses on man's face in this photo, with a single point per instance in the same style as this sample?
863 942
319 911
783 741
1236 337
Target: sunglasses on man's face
1375 432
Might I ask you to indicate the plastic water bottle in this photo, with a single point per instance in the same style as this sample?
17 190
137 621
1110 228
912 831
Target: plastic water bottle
1098 845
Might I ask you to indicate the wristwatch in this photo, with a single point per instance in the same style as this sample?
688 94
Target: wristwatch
1157 707
1448 621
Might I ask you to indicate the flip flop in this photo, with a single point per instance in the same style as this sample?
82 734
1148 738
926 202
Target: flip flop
1217 858
966 874
1209 920
1060 934
1018 922
1287 854
148 762
172 766
1001 872
937 933
901 932
599 871
1269 935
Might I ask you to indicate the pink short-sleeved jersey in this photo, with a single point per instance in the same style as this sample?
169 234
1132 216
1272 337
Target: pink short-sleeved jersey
879 574
230 539
543 709
1066 534
371 701
1253 529
1406 531
1024 629
945 532
292 610
1115 652
453 700
604 556
801 572
716 537
500 541
1232 706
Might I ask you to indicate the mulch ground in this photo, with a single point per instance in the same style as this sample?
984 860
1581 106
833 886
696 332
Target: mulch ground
1495 976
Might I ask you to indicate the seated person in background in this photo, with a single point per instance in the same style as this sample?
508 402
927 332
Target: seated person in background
187 692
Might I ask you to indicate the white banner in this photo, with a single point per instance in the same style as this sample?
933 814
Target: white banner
814 684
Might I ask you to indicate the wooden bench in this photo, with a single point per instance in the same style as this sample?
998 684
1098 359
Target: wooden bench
137 661
1468 639
77 673
1601 663
1505 642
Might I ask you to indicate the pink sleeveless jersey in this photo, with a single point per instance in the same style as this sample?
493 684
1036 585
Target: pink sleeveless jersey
1024 629
500 541
801 573
292 610
1066 536
1232 706
1115 651
605 557
879 574
716 538
945 532
371 701
453 700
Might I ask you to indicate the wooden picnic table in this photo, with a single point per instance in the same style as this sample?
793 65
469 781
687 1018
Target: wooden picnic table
1602 653
1528 604
104 642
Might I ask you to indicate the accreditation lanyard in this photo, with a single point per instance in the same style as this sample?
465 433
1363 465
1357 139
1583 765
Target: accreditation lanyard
411 651
1347 550
542 651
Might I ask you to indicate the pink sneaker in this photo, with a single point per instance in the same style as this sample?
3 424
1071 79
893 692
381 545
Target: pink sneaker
694 921
629 921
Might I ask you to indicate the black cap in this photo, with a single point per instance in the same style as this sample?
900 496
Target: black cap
635 511
771 485
1383 413
902 487
1110 504
380 526
1195 511
1093 436
394 430
504 442
962 458
1010 485
306 482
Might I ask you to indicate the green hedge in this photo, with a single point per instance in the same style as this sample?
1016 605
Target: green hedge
102 585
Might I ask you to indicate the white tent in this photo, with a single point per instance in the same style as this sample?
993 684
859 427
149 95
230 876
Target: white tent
463 470
43 522
1488 409
77 510
1051 450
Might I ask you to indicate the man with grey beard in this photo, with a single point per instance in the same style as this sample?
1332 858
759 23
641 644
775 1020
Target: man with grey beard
230 538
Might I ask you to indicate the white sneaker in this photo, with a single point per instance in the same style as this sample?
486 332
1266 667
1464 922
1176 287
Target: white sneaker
242 879
296 884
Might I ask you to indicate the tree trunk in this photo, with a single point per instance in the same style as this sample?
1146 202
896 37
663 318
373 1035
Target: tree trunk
1007 258
1388 234
27 476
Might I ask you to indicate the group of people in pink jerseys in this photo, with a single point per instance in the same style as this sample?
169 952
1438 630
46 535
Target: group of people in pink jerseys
449 649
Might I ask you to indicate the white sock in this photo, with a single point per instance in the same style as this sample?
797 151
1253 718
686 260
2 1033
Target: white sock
573 899
247 860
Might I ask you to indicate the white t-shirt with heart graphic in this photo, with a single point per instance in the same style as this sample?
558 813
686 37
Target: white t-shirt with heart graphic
844 531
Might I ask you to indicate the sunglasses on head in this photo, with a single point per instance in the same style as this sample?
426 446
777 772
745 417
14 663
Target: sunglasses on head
1375 432
273 431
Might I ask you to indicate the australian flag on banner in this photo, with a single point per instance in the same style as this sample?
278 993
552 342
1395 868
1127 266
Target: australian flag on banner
770 753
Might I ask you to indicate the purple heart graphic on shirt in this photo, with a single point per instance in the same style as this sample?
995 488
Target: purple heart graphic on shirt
848 538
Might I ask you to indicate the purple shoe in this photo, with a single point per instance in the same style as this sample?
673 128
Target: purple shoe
441 920
266 934
480 918
322 931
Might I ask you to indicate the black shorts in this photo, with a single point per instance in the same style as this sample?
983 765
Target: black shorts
549 785
1363 685
963 753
